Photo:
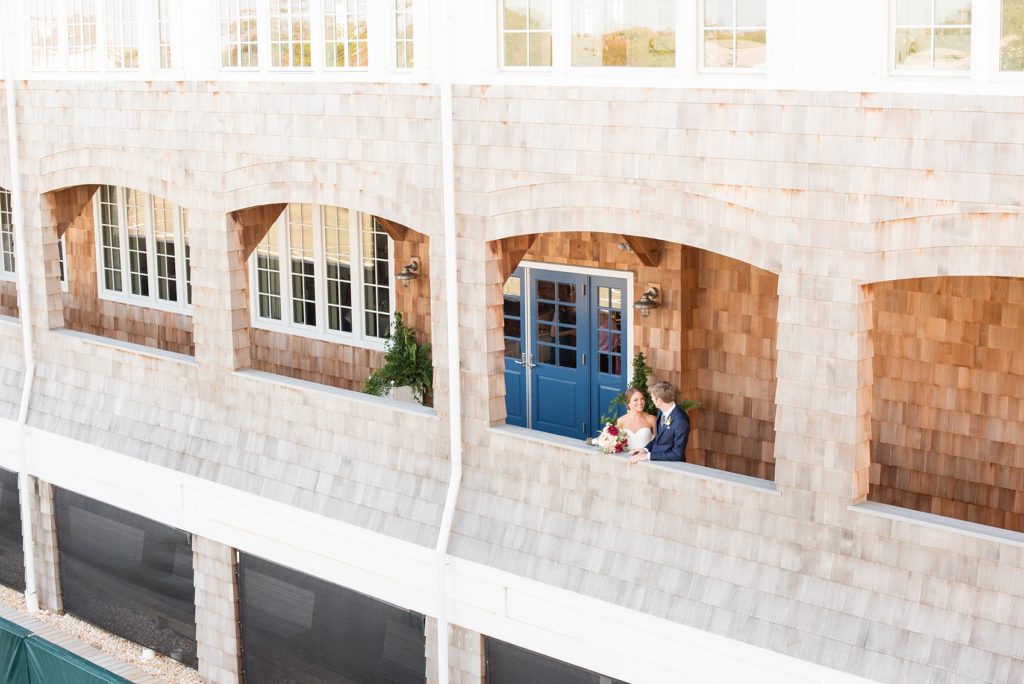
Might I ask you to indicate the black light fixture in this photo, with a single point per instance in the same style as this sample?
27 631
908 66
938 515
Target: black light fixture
646 304
409 273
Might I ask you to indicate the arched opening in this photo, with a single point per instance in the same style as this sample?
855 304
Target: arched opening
323 288
947 428
712 336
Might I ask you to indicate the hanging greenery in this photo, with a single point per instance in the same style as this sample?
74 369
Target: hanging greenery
406 364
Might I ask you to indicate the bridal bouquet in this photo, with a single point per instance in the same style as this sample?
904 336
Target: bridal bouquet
611 440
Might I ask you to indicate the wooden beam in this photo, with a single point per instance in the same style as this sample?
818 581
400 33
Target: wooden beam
647 249
396 231
255 222
69 204
514 251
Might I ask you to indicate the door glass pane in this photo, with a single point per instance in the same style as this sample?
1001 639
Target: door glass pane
566 336
545 354
567 315
566 292
545 312
512 307
545 289
567 358
513 328
513 350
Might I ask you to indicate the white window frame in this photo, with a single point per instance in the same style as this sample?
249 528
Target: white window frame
125 296
121 29
163 20
932 72
289 17
7 221
322 19
321 331
395 41
135 30
527 67
702 29
1011 73
262 34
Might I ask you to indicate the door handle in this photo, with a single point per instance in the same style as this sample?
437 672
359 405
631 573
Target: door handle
524 360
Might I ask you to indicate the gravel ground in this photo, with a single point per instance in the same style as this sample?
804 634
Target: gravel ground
125 651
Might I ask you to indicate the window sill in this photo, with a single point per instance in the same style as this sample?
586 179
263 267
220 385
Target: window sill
146 303
940 522
139 349
10 320
307 386
297 331
535 438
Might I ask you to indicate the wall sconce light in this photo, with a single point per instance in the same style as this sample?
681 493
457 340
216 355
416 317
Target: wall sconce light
624 247
646 304
409 273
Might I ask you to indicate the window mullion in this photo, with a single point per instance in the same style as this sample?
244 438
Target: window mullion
121 194
319 270
151 262
355 237
179 259
285 266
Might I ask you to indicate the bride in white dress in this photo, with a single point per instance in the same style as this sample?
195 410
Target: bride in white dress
637 425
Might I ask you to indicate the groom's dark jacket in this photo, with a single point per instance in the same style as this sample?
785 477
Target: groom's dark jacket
670 442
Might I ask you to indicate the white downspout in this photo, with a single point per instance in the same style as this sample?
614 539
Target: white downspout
25 487
452 315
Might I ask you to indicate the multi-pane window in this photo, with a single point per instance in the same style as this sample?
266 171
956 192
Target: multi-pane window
1011 36
238 35
403 34
324 271
141 243
6 234
163 30
290 44
345 33
122 34
634 33
526 33
45 34
82 41
735 34
932 35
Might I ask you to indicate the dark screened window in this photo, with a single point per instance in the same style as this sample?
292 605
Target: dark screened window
12 556
508 664
127 574
297 628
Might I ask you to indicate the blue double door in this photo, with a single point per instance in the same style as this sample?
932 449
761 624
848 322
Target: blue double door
565 349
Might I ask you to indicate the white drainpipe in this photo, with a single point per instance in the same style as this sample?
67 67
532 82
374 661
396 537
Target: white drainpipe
454 378
25 486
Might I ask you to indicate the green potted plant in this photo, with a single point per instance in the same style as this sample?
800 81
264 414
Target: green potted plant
641 374
408 372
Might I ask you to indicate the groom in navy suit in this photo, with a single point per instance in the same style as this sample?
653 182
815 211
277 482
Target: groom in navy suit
669 444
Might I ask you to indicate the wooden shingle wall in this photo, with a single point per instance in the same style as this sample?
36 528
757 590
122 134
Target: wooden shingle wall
712 336
731 351
948 419
86 312
304 358
8 298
